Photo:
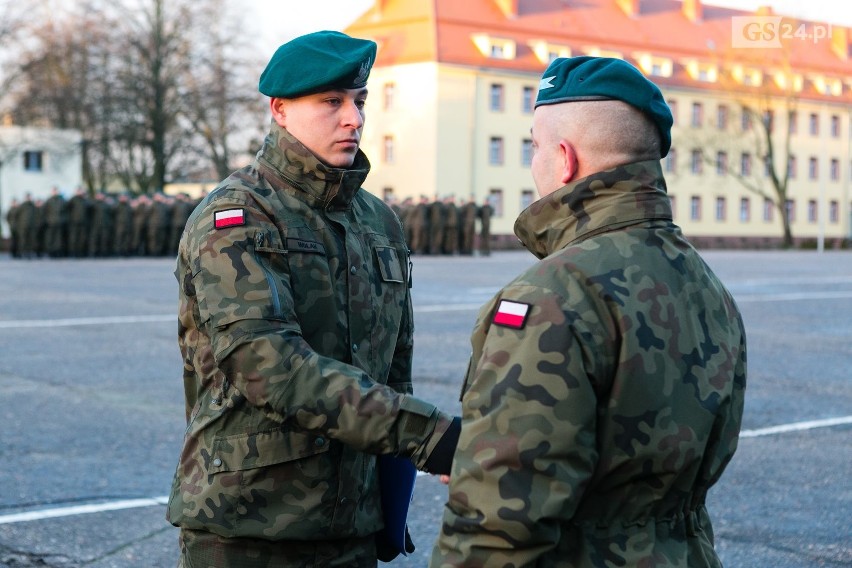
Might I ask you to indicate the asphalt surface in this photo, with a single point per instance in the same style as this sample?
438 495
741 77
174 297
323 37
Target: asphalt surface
91 410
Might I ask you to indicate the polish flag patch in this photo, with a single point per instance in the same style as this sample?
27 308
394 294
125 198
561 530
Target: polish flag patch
511 314
229 218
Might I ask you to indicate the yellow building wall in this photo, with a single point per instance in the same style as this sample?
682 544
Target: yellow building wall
709 184
441 123
411 122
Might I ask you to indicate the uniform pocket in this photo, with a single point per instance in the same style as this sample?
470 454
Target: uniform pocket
262 449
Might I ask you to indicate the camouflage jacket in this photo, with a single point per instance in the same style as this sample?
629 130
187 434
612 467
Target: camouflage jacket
605 392
295 327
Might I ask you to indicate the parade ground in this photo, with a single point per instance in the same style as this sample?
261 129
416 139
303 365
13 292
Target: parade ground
92 413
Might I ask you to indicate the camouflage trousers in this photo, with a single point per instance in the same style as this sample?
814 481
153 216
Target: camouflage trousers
200 549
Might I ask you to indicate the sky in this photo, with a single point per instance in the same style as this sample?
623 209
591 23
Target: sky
281 20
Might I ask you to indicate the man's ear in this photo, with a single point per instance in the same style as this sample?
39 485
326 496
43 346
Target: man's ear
278 108
570 161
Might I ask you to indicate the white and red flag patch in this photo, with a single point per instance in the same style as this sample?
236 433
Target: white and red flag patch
229 218
511 314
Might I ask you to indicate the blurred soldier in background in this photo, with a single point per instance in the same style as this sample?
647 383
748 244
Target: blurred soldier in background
451 226
79 222
469 212
123 213
56 224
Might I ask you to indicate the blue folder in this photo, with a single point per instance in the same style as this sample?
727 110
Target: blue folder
396 481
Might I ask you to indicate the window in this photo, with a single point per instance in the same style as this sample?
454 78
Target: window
791 166
833 211
387 149
813 212
813 124
389 95
745 120
721 207
835 126
791 210
495 47
527 198
793 117
33 161
526 152
495 199
387 194
528 100
745 164
697 114
722 117
768 210
495 151
745 210
813 168
695 162
721 163
768 120
673 108
835 169
671 161
695 208
496 99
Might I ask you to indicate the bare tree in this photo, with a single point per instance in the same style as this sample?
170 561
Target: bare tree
759 125
158 89
222 104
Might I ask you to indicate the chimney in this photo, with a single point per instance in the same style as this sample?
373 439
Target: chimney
840 41
764 11
693 10
630 7
508 7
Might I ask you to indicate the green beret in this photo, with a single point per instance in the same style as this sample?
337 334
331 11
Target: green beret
318 61
586 78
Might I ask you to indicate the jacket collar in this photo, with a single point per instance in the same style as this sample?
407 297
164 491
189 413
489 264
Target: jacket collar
285 161
622 196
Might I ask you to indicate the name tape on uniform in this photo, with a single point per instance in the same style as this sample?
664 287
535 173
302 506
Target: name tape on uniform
229 218
511 314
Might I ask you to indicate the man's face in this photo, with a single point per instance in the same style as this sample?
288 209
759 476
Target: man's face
328 124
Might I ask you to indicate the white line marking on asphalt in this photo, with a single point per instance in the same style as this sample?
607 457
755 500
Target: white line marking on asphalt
153 501
82 510
87 321
67 322
796 427
447 308
793 296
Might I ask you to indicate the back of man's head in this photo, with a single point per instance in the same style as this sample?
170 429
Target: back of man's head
613 99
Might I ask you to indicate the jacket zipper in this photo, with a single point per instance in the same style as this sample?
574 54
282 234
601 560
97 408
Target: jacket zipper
276 301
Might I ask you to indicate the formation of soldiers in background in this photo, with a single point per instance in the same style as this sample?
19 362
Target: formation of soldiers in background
443 226
109 225
103 226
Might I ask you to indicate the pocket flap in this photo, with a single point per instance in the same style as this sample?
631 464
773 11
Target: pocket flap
261 449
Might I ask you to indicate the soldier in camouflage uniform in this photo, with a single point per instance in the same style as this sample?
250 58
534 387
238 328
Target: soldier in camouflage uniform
295 326
605 392
56 224
79 223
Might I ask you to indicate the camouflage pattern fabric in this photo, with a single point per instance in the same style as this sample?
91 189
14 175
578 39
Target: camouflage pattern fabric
594 426
295 326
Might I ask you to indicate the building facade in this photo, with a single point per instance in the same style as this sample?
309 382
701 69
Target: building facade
760 101
35 160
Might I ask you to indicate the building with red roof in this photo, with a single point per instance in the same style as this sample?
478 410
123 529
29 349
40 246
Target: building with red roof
456 82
